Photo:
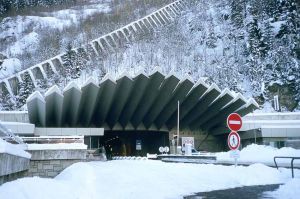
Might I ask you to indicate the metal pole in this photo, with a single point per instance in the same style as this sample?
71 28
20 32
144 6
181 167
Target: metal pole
177 125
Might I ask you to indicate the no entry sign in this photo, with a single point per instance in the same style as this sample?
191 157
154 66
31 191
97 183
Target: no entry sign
234 122
234 140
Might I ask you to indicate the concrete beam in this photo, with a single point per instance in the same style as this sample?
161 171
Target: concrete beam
54 103
212 110
223 114
148 98
36 109
42 71
165 93
71 103
248 108
190 101
123 90
32 78
179 94
140 83
211 94
105 97
88 101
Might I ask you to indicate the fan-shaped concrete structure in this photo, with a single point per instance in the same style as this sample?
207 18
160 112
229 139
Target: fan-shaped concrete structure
143 102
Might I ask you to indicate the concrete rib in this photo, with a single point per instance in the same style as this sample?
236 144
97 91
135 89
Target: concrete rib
140 83
165 94
179 94
123 89
148 98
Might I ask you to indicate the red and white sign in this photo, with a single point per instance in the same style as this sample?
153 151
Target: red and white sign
234 140
187 140
234 122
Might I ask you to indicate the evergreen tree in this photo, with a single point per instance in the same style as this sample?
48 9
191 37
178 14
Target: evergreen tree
73 63
25 89
7 102
237 13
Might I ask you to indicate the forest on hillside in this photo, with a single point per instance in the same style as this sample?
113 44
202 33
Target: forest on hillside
249 46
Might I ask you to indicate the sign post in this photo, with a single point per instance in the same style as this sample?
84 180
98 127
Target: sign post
234 142
234 123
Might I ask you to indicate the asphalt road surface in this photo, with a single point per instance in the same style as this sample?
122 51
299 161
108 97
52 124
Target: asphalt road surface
248 192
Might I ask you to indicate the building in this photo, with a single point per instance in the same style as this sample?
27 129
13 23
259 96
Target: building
132 115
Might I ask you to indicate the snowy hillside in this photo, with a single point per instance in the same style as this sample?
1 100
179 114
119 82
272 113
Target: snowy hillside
249 46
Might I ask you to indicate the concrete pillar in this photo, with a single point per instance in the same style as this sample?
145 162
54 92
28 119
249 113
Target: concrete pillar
151 20
100 44
94 48
42 71
161 17
167 13
19 77
52 65
113 40
32 77
125 36
173 10
154 15
8 87
108 44
164 15
147 21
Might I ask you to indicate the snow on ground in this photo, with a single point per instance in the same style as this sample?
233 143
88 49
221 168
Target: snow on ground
13 149
10 66
24 31
261 154
140 179
28 43
56 146
289 190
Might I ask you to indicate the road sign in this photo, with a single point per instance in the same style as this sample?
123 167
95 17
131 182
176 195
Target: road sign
234 122
138 146
233 140
187 140
235 154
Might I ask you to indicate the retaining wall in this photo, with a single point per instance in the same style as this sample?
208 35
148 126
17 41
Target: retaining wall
12 167
49 163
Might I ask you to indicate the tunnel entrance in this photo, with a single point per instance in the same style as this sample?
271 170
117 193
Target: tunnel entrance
133 143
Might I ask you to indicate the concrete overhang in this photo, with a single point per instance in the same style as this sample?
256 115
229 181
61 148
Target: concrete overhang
144 101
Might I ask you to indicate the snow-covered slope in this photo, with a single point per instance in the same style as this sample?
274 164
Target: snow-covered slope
248 46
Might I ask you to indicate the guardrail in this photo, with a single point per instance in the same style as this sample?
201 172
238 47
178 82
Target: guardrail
287 157
8 135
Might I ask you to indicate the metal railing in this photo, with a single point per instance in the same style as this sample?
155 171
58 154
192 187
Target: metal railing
287 157
8 135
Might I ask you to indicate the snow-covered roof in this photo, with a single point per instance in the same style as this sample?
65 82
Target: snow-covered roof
13 149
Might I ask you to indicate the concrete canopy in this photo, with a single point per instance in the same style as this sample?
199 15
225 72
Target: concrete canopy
143 102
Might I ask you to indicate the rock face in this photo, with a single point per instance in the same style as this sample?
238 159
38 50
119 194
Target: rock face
286 97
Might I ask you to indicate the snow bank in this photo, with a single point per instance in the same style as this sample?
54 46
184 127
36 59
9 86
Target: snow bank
290 190
56 146
260 153
140 179
10 67
13 149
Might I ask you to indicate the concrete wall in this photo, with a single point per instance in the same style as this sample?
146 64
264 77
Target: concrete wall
49 163
14 116
11 167
202 141
49 168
